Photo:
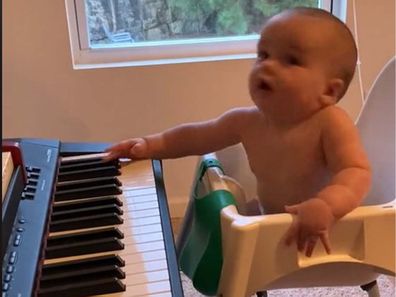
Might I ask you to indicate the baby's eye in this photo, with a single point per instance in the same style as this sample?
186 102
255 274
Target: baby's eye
293 60
262 55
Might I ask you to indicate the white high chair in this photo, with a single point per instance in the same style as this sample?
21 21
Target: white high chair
254 256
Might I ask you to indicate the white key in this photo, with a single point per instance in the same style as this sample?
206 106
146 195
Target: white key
136 214
142 221
146 247
141 278
141 206
144 257
136 230
142 238
138 199
148 288
139 192
147 266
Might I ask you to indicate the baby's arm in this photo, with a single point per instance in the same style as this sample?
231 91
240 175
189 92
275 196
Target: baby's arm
351 179
347 160
184 140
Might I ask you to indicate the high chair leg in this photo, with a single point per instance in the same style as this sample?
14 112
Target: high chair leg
371 289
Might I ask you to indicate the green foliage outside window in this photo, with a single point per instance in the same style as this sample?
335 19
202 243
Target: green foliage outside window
146 20
232 17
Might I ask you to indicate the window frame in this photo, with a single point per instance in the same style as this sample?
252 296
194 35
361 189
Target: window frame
161 52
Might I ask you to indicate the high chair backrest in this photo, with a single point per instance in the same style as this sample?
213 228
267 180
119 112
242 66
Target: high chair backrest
376 124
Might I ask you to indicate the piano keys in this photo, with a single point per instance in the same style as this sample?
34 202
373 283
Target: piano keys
107 230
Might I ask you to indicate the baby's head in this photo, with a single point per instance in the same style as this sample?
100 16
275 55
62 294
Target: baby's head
305 53
343 56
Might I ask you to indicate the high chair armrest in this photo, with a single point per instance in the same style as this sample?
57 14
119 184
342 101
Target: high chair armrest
346 236
354 239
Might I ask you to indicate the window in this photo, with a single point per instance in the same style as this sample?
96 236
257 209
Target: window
110 33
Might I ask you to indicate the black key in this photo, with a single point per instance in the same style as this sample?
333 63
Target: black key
68 276
85 211
87 242
85 247
96 191
78 204
91 234
86 222
82 183
84 287
87 263
86 160
89 173
87 165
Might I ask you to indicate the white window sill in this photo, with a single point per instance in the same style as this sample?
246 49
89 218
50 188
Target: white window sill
79 66
168 52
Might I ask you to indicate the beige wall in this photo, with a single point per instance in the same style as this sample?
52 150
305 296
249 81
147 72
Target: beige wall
44 97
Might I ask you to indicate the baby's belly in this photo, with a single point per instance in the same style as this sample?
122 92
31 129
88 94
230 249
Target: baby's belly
275 196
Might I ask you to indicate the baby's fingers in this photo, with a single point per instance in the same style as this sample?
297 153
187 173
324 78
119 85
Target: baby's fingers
113 152
120 150
292 209
111 155
311 243
312 240
118 146
324 238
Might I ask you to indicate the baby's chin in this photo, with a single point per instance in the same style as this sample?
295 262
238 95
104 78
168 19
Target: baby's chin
260 104
262 94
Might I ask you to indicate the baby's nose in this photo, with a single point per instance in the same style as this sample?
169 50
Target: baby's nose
270 62
269 66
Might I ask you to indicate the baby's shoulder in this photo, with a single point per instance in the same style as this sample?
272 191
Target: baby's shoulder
334 115
334 122
242 114
244 111
240 119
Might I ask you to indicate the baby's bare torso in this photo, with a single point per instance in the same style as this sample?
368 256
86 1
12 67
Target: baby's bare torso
289 163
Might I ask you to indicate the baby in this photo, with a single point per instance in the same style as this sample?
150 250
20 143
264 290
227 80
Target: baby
303 149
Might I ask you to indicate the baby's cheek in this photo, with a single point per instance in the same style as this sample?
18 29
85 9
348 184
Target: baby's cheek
253 89
251 79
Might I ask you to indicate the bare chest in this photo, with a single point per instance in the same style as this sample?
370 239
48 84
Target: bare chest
268 150
289 166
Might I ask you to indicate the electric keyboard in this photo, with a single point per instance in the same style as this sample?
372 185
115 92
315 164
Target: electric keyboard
85 227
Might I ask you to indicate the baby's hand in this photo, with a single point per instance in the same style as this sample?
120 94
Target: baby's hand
135 148
313 220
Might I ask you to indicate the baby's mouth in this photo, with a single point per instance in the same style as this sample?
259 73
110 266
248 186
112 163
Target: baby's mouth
265 86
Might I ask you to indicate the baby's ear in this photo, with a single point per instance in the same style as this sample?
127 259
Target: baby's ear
333 92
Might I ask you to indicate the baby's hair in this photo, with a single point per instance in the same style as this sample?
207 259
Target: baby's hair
346 70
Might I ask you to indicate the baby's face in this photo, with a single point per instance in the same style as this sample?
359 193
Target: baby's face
291 71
